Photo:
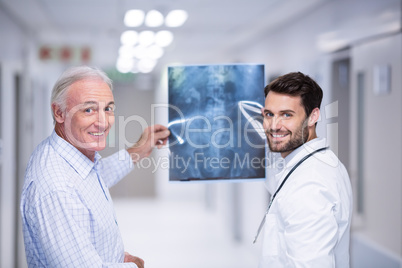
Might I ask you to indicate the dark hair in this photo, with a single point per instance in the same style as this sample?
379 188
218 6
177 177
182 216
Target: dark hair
298 84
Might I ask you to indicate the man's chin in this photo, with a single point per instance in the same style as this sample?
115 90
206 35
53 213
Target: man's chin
276 150
276 147
279 149
94 146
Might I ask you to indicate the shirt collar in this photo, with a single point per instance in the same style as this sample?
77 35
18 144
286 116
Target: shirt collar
77 160
276 173
304 150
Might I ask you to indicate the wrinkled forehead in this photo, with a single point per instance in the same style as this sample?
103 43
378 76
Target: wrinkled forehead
89 90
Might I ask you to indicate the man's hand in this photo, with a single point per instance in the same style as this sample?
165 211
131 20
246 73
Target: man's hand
153 136
130 258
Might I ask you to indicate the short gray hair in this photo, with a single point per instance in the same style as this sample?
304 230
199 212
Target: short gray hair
69 77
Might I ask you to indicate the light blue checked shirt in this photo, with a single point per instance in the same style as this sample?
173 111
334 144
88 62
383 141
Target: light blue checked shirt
67 212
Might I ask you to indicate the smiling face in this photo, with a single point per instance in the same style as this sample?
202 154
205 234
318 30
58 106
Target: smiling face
286 124
88 117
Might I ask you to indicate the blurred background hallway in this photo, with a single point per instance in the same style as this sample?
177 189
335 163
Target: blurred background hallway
352 48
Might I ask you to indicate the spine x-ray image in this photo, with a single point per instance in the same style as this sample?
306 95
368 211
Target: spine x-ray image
215 122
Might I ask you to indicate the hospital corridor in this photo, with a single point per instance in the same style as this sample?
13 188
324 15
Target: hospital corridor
199 69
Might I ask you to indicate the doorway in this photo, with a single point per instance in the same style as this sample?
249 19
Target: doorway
340 93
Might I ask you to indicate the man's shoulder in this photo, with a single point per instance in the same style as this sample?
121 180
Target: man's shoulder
47 171
322 170
321 159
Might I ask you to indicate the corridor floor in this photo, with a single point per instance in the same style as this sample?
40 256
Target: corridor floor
169 234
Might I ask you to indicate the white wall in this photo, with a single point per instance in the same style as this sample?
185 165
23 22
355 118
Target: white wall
20 131
8 185
381 218
10 63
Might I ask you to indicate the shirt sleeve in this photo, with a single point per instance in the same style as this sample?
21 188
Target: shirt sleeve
310 226
60 224
116 167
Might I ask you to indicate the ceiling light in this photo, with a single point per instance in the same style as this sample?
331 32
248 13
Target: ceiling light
140 52
154 52
154 18
134 69
134 18
163 38
124 65
176 18
146 65
126 52
146 38
129 38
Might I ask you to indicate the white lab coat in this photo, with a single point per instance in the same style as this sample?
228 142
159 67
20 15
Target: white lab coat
308 224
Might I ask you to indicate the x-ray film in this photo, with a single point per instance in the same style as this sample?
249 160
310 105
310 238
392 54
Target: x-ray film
215 122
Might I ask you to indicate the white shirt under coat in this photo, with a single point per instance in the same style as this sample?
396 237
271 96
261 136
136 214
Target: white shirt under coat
308 224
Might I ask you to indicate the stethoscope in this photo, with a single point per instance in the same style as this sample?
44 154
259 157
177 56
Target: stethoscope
280 187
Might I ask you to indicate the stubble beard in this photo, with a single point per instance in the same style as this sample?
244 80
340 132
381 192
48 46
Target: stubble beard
297 139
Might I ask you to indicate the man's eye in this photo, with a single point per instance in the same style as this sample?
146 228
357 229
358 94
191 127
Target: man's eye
269 114
89 110
109 109
287 115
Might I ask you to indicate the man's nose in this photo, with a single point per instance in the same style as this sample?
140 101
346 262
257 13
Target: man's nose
102 121
276 123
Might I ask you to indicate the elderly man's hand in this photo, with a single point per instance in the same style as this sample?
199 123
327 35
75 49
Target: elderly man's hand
130 258
153 136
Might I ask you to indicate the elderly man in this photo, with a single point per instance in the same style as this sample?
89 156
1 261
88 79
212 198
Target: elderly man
67 212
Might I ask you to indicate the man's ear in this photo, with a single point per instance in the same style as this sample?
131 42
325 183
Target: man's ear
314 116
58 113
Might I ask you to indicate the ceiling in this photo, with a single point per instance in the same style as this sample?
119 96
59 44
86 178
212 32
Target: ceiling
214 30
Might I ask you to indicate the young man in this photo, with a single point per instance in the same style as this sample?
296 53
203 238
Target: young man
67 212
308 222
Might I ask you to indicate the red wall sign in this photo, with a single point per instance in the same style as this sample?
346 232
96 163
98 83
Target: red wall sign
65 53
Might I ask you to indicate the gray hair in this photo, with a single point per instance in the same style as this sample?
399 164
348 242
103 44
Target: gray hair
69 77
